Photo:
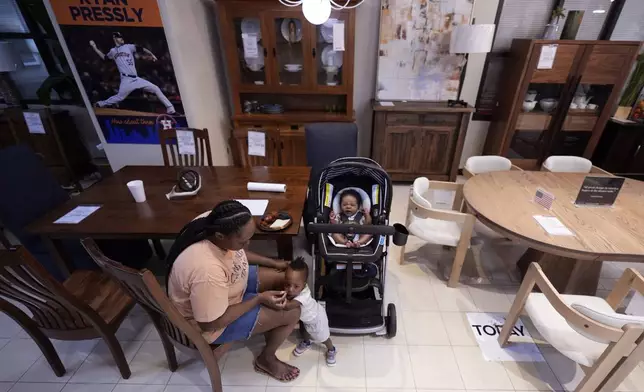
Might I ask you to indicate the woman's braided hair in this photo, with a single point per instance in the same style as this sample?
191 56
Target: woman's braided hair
227 217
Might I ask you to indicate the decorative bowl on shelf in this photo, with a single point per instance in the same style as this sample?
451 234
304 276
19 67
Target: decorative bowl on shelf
293 67
528 106
255 67
548 104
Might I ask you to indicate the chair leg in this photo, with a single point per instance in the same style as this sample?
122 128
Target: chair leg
457 266
36 334
213 371
118 355
517 307
625 368
170 354
158 249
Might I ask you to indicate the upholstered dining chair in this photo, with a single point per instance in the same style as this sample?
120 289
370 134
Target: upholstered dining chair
87 305
450 228
588 330
570 164
170 148
174 330
485 164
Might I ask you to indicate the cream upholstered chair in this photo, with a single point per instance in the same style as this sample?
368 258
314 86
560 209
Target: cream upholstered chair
608 345
570 164
440 226
485 164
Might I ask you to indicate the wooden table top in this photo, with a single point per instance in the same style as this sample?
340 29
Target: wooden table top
159 217
504 202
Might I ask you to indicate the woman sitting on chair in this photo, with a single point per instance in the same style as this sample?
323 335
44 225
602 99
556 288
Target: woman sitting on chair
212 284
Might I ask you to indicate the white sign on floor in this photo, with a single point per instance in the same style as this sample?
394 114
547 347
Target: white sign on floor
486 327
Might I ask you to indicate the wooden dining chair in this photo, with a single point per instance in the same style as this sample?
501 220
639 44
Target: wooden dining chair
450 228
170 148
571 164
174 330
586 329
88 305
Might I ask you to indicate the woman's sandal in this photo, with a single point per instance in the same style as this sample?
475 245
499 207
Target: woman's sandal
265 372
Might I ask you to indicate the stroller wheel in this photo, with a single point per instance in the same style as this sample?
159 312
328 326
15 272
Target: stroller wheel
390 321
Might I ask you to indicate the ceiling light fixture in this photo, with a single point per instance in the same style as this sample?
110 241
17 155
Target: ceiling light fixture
599 11
318 11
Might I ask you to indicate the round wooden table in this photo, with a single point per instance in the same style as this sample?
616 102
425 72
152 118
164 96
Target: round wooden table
504 202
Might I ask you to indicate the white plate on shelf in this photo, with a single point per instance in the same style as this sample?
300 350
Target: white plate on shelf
326 30
251 26
285 29
330 57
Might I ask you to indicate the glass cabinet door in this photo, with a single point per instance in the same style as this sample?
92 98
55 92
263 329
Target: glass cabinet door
250 42
290 47
329 63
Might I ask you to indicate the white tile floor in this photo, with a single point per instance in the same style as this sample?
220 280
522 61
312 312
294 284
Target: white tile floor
434 349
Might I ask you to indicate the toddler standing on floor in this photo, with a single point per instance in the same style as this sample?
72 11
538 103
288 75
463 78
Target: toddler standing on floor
313 315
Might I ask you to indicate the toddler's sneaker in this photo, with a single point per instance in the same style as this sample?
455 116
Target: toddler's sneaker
330 356
302 347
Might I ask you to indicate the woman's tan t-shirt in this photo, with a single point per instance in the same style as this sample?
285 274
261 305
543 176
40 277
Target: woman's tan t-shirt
205 280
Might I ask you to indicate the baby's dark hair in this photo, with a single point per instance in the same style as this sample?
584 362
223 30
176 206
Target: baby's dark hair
351 192
298 264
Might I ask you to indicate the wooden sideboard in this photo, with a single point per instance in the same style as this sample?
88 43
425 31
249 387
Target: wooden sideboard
591 69
419 139
291 64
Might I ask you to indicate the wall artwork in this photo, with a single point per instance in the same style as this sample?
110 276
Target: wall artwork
414 62
121 54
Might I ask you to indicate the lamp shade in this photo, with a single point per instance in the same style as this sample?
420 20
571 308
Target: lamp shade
9 61
472 38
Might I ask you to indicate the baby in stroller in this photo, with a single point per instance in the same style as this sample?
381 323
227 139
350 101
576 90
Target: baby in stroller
351 213
313 315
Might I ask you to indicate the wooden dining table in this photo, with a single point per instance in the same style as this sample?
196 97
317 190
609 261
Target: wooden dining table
120 217
504 201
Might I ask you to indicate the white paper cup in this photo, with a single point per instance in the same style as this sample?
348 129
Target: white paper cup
137 190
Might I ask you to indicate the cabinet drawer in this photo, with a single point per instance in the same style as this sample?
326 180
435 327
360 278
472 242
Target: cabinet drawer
579 123
422 119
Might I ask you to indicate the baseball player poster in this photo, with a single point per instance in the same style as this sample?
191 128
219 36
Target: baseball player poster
121 54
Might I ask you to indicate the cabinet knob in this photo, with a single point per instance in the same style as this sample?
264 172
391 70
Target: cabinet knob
313 51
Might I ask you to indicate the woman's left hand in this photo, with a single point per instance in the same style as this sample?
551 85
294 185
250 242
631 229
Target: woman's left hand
281 265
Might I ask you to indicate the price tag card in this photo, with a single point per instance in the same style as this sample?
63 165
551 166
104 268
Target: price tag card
338 37
256 143
34 122
186 142
547 57
249 41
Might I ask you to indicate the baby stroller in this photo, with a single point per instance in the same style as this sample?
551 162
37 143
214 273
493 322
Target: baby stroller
350 282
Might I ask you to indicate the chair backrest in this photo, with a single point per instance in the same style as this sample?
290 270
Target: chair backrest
146 291
170 148
419 191
487 163
326 142
567 164
24 280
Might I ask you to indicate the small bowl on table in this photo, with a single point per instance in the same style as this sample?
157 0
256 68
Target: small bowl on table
548 104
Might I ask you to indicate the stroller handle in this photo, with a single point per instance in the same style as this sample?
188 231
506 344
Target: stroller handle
398 231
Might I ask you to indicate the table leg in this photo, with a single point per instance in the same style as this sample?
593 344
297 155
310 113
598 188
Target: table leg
569 276
285 248
58 253
158 249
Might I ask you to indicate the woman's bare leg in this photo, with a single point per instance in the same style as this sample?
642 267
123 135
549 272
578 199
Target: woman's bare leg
270 279
276 325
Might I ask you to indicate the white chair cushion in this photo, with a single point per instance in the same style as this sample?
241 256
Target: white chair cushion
556 330
419 190
487 163
610 318
435 231
568 164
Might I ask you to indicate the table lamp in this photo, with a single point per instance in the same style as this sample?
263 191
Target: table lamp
466 39
9 62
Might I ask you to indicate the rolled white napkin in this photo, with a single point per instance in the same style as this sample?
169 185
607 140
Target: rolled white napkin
266 187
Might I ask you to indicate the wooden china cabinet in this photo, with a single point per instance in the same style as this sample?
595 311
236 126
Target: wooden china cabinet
592 71
274 56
